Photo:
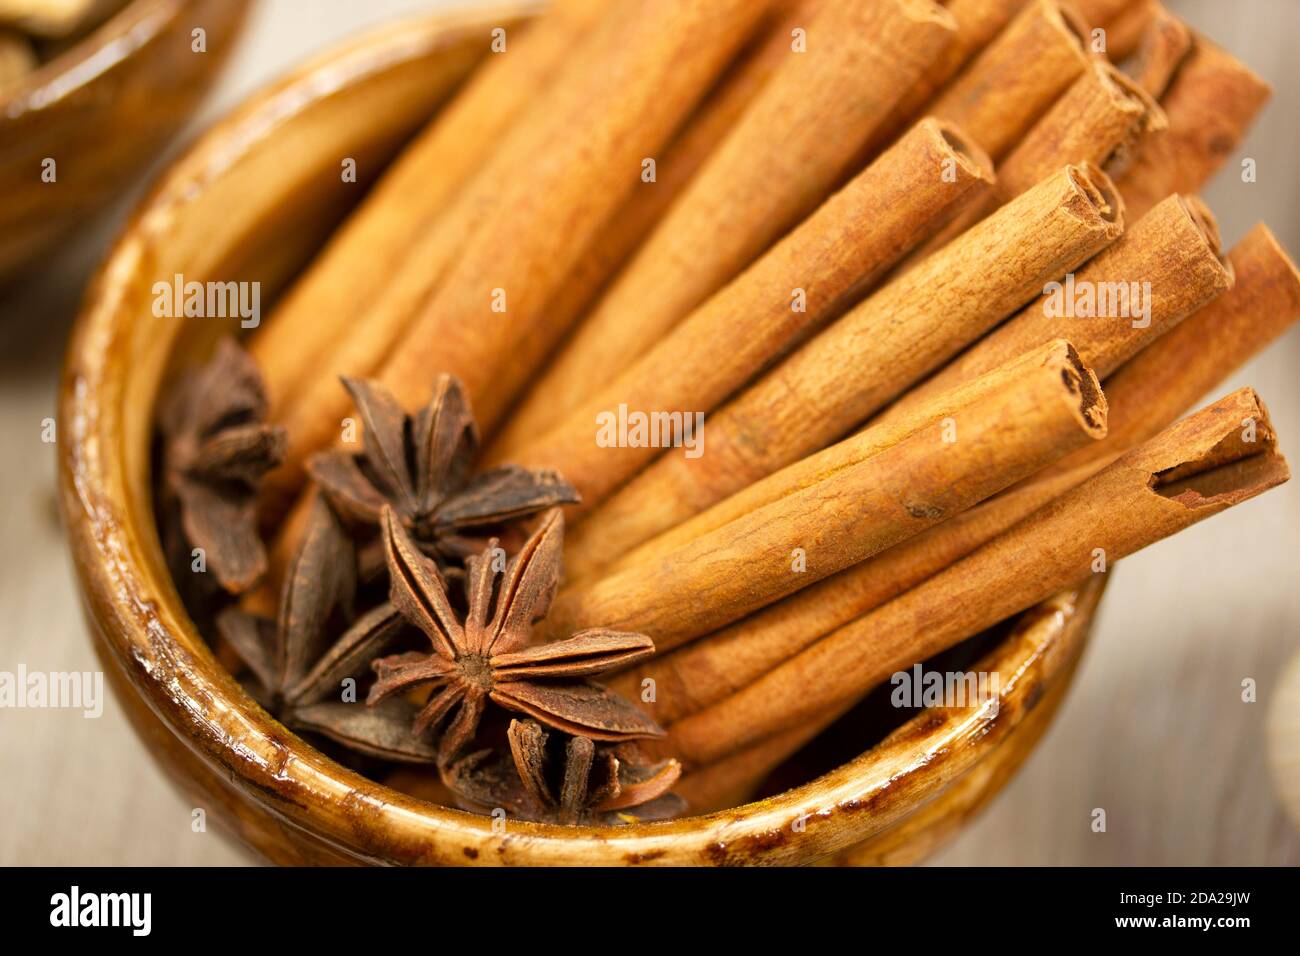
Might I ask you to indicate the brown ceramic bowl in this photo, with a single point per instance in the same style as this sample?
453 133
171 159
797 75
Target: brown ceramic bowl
101 109
253 198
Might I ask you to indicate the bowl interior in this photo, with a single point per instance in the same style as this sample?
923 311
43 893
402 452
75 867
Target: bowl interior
242 204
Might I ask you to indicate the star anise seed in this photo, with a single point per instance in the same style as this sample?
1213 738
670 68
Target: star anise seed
217 447
419 465
597 783
486 656
298 669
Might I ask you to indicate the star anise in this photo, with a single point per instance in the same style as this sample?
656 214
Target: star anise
486 656
573 780
217 446
419 465
298 667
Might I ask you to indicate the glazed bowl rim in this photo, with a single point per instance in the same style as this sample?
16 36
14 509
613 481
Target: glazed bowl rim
136 615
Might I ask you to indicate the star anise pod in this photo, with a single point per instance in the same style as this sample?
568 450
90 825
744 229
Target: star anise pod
298 667
486 656
419 465
217 446
573 780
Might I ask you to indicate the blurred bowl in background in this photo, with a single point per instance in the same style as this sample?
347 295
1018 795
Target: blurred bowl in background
101 110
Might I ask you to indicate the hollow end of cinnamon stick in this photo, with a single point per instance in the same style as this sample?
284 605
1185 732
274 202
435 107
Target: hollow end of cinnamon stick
1235 462
961 149
1100 191
1083 390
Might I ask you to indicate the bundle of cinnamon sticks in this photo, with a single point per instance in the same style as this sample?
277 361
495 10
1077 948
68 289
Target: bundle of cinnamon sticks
859 326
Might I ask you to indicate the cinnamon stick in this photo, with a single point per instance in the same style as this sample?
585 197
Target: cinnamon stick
706 670
1146 395
909 192
786 154
628 229
1013 81
1164 45
865 359
1168 377
1097 13
850 513
1124 32
1103 118
1193 470
1211 103
356 268
977 23
1165 267
498 257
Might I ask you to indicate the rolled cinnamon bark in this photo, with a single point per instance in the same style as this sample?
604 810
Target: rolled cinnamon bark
1013 81
1103 118
1163 47
706 670
904 196
1097 13
865 359
1168 377
1210 103
515 232
629 227
1162 269
1223 455
850 513
1124 32
978 23
354 274
1146 395
785 155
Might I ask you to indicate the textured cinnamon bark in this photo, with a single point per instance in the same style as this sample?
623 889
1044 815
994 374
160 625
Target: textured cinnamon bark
865 359
1168 377
707 670
1210 103
850 512
1013 81
1174 247
1146 395
1103 118
554 180
621 237
904 196
786 154
355 273
1187 473
1124 32
1097 13
1164 45
978 23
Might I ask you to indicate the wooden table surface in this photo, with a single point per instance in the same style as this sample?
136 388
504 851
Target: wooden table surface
1154 731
